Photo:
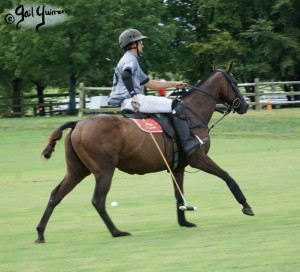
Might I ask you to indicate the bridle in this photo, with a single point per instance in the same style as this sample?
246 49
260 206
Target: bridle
235 104
234 85
231 82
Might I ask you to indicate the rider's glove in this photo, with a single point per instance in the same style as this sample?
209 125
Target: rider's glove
135 104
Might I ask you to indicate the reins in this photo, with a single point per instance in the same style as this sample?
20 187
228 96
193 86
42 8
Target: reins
225 113
235 104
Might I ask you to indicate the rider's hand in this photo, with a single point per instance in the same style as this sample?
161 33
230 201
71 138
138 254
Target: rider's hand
135 104
180 85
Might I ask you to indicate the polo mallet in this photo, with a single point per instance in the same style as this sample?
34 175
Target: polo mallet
185 207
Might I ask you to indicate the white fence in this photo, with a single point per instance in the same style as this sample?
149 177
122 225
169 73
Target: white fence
267 90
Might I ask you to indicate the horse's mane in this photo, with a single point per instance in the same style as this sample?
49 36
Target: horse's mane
197 86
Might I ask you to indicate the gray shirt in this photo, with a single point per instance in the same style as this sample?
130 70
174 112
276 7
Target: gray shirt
119 92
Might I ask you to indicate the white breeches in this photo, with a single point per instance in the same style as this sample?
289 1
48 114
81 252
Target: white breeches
150 104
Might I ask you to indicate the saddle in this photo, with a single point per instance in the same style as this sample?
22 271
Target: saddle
158 123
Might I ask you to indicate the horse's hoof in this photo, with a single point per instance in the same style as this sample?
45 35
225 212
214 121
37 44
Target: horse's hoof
39 241
121 234
188 225
248 211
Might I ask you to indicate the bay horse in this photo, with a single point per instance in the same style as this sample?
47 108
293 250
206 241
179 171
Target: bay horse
102 143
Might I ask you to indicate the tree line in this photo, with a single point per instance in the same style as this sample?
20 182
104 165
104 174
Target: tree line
186 37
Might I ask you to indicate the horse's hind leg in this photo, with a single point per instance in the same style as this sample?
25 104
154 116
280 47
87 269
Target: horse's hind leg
66 186
103 183
179 176
76 172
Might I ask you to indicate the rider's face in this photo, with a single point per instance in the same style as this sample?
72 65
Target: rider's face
140 46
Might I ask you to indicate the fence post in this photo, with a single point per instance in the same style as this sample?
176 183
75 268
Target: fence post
81 100
257 94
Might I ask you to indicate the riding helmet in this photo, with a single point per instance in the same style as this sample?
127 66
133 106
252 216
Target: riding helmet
129 36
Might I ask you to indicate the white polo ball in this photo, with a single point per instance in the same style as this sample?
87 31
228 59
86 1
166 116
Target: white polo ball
114 204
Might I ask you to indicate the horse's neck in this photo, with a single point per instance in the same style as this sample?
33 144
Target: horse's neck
202 106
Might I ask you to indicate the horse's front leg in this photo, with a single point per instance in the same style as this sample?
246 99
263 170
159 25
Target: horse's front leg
204 163
179 176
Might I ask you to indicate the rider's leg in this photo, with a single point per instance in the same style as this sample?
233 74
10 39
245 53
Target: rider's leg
188 142
155 104
150 104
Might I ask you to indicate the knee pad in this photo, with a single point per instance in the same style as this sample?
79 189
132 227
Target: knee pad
179 109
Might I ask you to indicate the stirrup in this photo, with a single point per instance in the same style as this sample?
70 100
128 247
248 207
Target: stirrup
198 143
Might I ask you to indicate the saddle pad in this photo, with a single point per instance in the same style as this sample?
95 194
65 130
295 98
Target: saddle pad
148 125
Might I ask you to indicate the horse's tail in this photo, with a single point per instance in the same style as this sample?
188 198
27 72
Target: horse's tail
56 136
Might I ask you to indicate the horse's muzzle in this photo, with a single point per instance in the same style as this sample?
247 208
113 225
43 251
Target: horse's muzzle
240 106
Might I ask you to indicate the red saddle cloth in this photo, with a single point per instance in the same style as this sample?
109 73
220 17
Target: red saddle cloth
148 125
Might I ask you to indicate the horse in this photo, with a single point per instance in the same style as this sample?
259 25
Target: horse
101 143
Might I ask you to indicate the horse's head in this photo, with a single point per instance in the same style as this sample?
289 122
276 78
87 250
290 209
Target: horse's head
229 91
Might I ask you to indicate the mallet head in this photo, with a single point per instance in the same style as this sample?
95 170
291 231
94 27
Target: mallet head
187 208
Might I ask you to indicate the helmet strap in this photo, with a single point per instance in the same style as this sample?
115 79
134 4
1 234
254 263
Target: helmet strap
136 47
126 48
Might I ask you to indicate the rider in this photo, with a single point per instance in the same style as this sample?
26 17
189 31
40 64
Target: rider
126 90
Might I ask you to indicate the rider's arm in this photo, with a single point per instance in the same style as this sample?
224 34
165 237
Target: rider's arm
156 84
127 79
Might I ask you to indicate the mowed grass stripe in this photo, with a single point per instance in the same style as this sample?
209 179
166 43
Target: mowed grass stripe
260 150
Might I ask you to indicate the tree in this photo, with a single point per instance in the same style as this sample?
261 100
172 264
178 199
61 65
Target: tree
86 45
25 60
186 37
263 40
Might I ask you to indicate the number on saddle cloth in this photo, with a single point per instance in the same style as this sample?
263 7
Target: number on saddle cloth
148 125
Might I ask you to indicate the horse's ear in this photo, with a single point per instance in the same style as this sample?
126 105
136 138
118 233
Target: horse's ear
229 67
214 67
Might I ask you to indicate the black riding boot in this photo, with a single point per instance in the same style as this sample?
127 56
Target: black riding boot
188 143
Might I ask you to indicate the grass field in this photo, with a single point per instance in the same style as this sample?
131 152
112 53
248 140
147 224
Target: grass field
260 150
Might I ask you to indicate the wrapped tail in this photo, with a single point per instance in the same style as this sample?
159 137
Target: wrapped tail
56 136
